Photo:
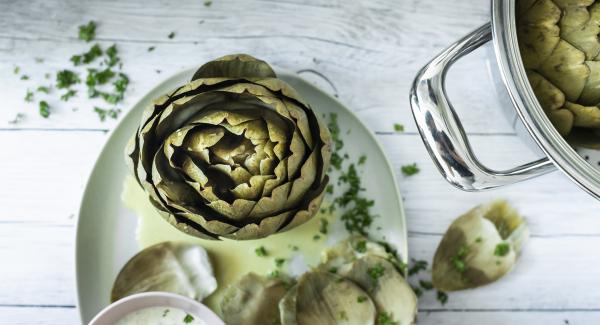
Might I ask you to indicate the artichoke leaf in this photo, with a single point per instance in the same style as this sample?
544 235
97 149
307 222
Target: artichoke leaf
235 66
349 250
566 69
591 92
549 96
179 268
580 26
479 247
584 116
536 43
542 12
562 120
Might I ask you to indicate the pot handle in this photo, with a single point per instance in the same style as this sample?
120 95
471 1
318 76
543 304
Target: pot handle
443 133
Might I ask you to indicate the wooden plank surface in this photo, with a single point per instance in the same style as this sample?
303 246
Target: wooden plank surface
366 52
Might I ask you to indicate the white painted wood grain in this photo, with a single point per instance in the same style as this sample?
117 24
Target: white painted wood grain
366 52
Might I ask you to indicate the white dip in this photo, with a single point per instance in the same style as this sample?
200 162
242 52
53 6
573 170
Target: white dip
160 316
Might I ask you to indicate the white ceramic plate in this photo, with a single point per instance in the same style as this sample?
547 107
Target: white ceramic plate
106 229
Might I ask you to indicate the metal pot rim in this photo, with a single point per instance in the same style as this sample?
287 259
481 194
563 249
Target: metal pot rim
532 115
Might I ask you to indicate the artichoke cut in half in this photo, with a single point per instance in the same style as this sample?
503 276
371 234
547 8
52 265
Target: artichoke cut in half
384 284
349 250
235 153
179 268
322 298
253 300
479 247
559 42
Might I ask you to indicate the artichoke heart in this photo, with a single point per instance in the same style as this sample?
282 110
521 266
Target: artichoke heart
179 268
253 300
235 153
559 42
479 247
322 298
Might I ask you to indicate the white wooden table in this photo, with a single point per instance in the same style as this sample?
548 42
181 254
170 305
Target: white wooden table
364 51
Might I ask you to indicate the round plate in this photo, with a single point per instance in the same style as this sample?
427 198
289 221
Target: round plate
106 229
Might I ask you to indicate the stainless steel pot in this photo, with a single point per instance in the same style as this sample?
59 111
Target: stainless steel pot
444 136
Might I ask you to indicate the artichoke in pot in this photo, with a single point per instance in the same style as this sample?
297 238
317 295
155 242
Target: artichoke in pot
559 42
235 153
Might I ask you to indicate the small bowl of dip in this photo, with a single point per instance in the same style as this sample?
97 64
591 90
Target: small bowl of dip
156 308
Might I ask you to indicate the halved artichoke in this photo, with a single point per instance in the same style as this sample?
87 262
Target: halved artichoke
349 250
179 268
235 153
253 300
560 46
479 247
322 298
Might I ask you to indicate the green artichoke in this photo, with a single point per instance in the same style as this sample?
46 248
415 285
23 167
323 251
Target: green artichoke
235 153
559 42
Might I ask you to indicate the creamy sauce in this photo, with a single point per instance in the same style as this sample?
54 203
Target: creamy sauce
233 259
160 316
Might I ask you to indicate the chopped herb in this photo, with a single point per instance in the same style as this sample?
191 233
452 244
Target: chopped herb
478 240
87 57
384 318
18 118
324 226
376 272
362 160
44 109
417 266
95 77
329 189
427 285
361 246
103 113
316 237
398 127
442 297
121 83
418 292
343 315
333 269
409 170
24 77
165 312
334 129
171 35
361 299
188 319
16 70
458 260
261 251
207 3
274 274
66 78
151 48
294 247
29 96
279 262
39 60
43 89
87 32
357 217
66 96
111 54
502 249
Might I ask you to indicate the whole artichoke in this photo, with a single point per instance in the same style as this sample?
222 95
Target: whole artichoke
235 153
560 45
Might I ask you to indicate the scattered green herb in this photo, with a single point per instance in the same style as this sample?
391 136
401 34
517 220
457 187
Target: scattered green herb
384 318
409 170
44 109
207 3
343 315
274 274
333 269
38 60
188 319
398 127
29 96
87 32
417 266
24 77
316 237
418 292
323 228
362 159
165 312
66 96
112 56
66 78
171 35
151 48
458 260
104 113
16 70
478 240
361 299
261 251
279 262
361 246
426 285
442 297
502 249
376 272
294 247
43 89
